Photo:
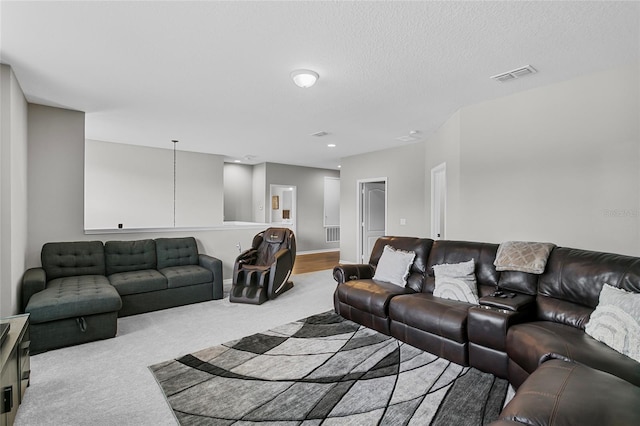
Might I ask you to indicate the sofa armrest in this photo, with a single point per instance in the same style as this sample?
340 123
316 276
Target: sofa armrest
33 281
214 265
343 273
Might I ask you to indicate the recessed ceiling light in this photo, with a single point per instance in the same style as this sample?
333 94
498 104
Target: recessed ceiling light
237 161
331 145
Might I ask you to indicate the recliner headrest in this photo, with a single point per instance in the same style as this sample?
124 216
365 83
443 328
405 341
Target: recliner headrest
275 235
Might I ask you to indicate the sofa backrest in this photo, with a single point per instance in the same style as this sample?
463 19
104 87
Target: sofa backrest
125 256
421 247
69 259
569 289
176 252
483 254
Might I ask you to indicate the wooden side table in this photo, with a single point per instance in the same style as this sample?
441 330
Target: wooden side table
15 367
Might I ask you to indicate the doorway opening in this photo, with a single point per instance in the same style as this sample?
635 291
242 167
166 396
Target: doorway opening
372 215
283 206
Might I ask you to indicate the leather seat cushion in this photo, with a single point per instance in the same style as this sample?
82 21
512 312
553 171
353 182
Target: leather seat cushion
183 276
134 282
369 295
528 342
568 393
72 297
442 317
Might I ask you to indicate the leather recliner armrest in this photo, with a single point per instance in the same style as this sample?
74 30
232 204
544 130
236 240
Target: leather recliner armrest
343 273
33 281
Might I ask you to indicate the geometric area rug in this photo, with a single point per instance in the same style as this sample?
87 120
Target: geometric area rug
326 370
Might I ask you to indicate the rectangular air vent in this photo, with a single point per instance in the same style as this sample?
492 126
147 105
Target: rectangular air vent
513 74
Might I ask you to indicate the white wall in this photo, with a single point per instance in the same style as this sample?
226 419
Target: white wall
56 188
238 192
13 190
133 186
404 169
259 193
559 163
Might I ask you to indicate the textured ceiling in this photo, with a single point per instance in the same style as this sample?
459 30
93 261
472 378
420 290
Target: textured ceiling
215 75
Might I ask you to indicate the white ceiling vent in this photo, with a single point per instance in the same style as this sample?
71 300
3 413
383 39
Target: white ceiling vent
319 134
513 74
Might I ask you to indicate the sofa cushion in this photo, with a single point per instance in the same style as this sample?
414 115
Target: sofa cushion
442 317
567 393
616 321
420 246
125 256
445 251
183 276
523 256
456 282
394 265
74 258
176 252
570 286
528 342
134 282
71 297
369 295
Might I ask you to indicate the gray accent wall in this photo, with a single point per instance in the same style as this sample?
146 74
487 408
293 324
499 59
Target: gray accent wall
13 190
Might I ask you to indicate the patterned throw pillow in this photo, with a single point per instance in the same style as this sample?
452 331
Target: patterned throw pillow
456 281
616 321
523 256
394 265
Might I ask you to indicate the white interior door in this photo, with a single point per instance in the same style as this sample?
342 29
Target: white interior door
373 216
438 201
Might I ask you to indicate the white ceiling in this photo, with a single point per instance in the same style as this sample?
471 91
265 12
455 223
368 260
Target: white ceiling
215 75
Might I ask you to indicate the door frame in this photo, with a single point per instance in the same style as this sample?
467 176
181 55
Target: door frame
360 212
441 170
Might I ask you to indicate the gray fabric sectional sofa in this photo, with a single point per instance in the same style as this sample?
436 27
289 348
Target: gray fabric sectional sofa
84 286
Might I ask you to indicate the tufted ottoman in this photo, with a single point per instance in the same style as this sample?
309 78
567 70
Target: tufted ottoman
78 304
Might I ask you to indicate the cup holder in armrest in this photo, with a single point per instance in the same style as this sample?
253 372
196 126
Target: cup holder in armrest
508 301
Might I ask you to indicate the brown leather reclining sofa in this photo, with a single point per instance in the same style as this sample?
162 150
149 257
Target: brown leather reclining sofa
534 337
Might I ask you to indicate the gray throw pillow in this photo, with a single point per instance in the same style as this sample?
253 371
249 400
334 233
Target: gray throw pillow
394 265
616 321
456 281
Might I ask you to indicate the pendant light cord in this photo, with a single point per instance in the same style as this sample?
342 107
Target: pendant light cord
174 182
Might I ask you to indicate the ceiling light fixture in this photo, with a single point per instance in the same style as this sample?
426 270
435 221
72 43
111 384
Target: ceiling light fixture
304 78
331 145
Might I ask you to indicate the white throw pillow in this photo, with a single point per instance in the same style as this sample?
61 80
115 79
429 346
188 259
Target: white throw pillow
456 281
394 265
616 321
